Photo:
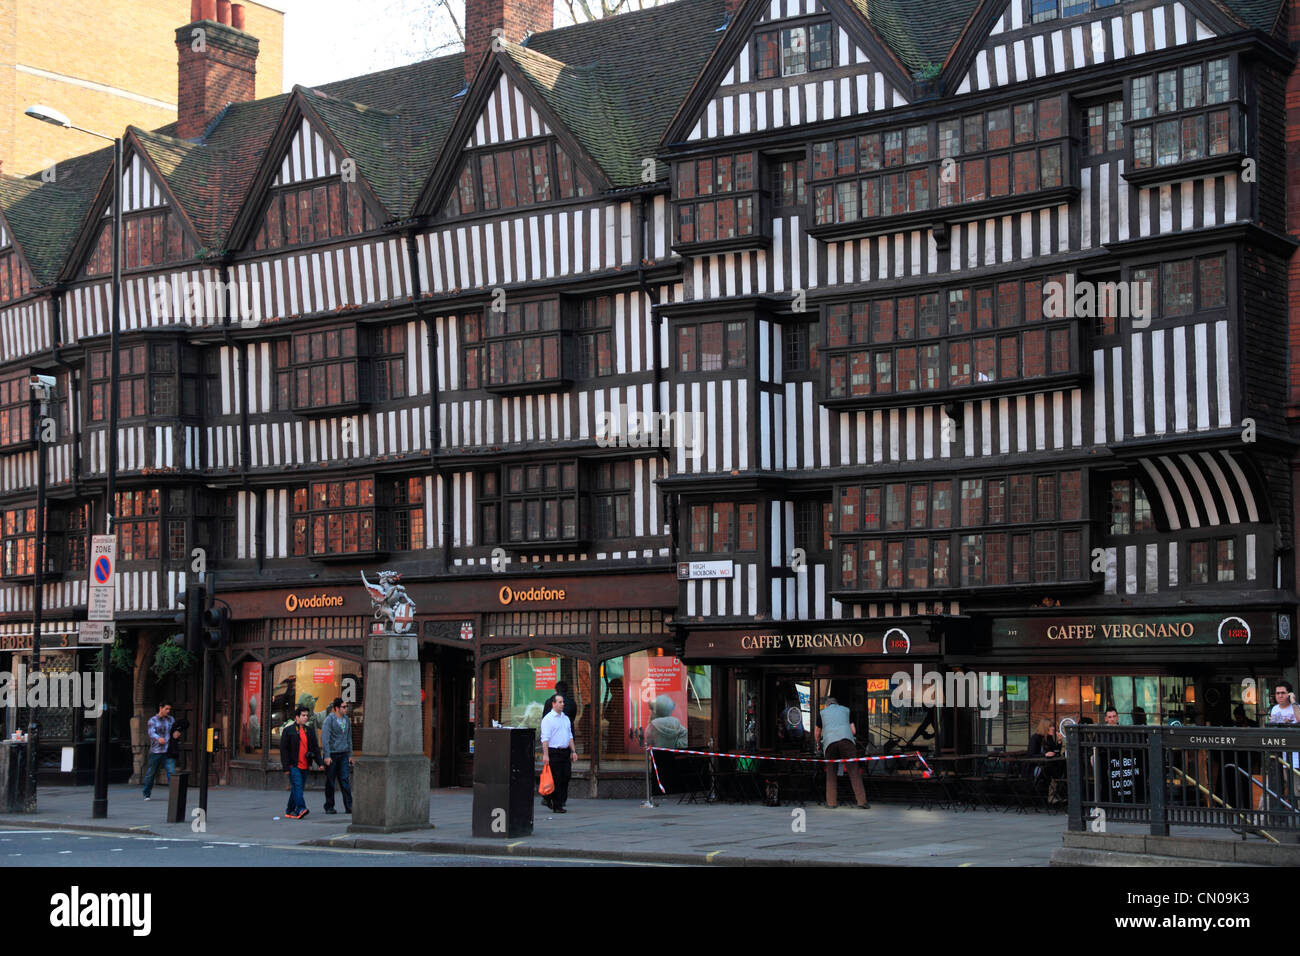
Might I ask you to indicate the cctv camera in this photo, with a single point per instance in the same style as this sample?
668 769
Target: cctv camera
43 381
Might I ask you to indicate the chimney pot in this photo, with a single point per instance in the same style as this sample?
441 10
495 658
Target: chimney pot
222 71
223 12
515 18
196 11
237 16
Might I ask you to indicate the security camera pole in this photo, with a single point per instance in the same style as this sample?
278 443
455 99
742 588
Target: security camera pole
42 386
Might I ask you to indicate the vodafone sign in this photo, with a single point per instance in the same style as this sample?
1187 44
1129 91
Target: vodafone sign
508 595
311 602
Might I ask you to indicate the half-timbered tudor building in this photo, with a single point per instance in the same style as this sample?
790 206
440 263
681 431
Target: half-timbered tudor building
710 359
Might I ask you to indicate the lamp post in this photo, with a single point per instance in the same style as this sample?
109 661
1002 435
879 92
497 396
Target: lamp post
47 115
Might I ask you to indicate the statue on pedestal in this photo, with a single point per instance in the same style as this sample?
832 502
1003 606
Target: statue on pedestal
391 602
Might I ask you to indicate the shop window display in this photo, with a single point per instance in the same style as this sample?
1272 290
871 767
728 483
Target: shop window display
651 697
314 681
524 682
251 718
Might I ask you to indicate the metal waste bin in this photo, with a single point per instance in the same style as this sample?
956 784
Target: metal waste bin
177 791
503 782
13 777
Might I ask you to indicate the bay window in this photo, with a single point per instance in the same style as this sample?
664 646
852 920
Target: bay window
919 344
960 533
1188 114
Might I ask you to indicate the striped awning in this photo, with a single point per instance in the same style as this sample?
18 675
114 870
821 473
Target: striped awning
1204 489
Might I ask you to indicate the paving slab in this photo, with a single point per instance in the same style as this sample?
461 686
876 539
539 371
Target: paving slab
672 833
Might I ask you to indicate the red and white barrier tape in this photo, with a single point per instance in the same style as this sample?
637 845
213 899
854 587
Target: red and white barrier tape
708 753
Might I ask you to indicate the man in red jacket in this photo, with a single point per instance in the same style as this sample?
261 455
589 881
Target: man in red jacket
298 749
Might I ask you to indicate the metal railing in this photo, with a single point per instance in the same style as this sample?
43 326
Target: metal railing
1241 779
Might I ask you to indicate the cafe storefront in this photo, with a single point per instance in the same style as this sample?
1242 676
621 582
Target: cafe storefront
771 680
1173 667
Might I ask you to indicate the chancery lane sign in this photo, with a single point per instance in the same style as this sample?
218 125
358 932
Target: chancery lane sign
1172 629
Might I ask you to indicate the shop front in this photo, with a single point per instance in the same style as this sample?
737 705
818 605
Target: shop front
605 638
773 680
288 648
1173 667
67 700
490 653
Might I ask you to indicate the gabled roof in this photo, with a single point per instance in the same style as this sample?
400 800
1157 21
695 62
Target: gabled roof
210 178
921 33
396 136
47 217
616 83
609 87
1256 14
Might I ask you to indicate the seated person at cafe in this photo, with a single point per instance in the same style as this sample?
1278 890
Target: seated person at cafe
1043 743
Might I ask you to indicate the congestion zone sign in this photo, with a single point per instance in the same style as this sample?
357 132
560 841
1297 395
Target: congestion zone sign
103 554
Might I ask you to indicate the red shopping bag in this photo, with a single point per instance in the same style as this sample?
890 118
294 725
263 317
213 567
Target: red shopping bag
547 786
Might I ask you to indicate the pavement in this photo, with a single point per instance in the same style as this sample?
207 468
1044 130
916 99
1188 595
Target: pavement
889 834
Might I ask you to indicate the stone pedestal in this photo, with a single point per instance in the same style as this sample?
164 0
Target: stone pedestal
390 785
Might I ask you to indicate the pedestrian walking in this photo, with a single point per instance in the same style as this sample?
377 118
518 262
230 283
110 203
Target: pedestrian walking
336 754
298 750
558 751
161 734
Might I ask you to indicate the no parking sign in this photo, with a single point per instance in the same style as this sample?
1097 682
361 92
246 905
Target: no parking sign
103 561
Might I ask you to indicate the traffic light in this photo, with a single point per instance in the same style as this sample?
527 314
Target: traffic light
190 620
216 628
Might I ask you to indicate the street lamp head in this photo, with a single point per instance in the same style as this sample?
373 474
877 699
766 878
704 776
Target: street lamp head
48 114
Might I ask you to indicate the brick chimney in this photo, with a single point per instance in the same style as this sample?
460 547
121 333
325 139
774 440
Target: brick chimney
732 7
217 64
516 18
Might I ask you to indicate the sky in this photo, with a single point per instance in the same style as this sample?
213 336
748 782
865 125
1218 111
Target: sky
326 40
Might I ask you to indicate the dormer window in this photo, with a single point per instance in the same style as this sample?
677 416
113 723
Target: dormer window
1043 10
794 51
533 174
303 214
149 239
14 280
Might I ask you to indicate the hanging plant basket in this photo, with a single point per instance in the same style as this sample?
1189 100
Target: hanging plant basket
120 658
172 659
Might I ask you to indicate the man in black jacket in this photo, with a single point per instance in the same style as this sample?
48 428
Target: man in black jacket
298 749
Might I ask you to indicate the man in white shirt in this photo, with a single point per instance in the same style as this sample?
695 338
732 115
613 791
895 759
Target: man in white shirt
558 751
1284 711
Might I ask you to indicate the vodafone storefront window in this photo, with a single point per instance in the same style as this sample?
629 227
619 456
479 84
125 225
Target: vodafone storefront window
315 680
526 681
